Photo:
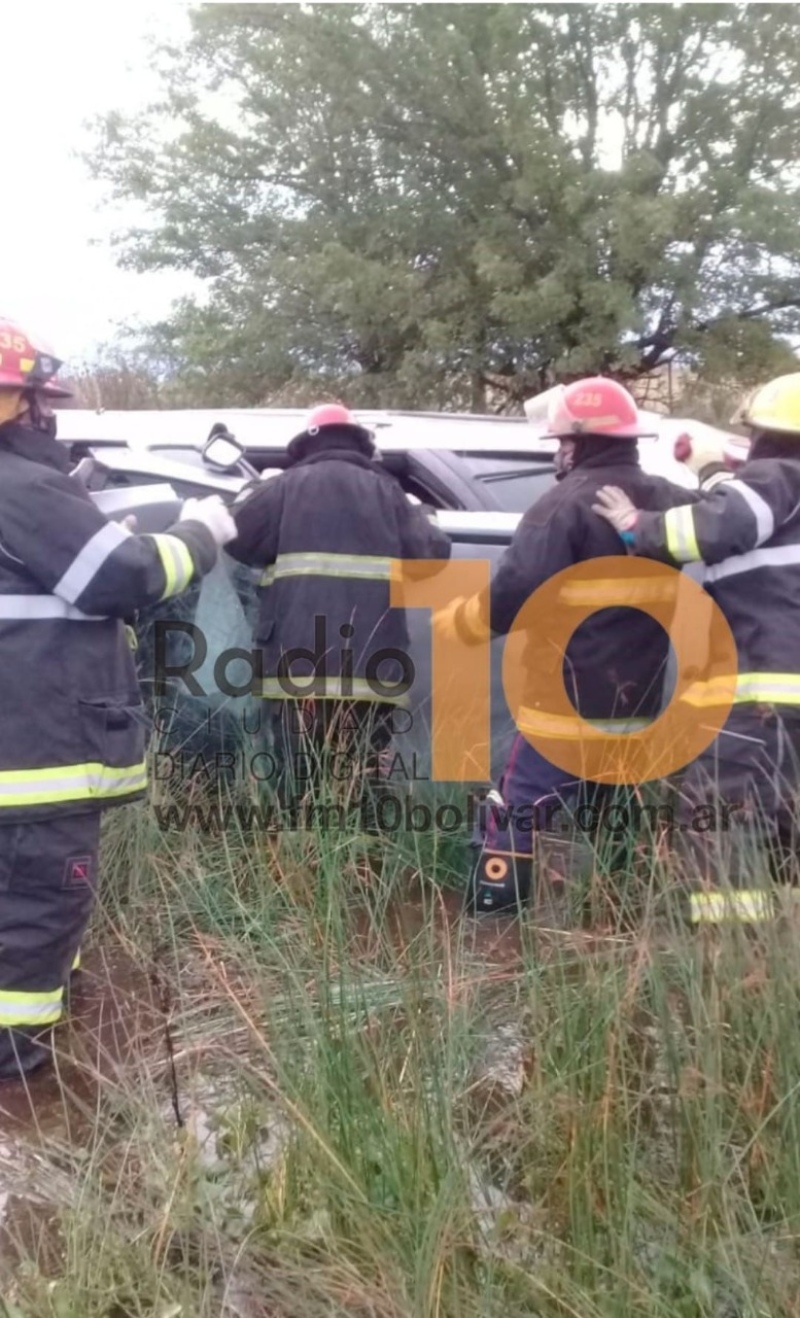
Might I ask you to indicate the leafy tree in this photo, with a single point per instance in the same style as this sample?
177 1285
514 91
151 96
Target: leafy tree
442 204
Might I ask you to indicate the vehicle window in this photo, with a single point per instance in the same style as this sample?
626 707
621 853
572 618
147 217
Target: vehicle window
417 492
515 482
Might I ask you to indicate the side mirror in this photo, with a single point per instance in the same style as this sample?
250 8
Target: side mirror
222 450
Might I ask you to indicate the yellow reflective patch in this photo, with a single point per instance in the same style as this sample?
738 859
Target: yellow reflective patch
69 782
176 561
680 534
766 688
17 1008
541 724
618 593
365 567
746 906
335 689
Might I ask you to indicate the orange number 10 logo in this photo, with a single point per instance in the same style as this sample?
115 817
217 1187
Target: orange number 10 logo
461 678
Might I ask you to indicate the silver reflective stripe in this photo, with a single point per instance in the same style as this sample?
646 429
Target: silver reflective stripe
765 522
85 566
14 608
779 556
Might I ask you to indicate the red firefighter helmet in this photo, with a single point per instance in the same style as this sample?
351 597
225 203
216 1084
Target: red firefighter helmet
594 406
26 363
330 416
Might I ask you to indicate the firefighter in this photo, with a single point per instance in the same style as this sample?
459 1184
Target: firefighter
746 533
614 666
70 708
335 654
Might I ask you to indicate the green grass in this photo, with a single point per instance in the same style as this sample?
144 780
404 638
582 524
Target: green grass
347 1145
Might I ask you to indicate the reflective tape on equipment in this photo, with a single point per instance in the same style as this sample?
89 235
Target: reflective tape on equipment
681 535
85 566
176 562
541 724
30 1008
747 906
364 567
69 782
618 592
765 521
335 688
767 688
29 608
755 559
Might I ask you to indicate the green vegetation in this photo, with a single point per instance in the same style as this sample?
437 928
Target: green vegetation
334 1101
453 205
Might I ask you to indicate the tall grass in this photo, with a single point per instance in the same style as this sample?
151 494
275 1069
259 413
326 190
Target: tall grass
353 1104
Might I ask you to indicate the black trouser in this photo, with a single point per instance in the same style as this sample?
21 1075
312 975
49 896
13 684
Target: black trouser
738 814
48 881
329 749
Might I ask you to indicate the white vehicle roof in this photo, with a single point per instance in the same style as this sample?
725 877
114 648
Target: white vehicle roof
271 428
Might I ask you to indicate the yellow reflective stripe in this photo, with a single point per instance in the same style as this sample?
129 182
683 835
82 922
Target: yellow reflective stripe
680 533
618 591
541 724
335 688
770 688
69 782
714 907
30 1008
365 567
76 964
176 562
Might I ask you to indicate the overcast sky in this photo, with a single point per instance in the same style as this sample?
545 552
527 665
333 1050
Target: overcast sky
63 63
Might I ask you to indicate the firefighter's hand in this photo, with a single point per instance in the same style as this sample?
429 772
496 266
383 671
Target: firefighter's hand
214 516
616 507
460 621
704 455
129 523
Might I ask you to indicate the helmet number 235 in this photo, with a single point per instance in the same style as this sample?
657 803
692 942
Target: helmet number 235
12 342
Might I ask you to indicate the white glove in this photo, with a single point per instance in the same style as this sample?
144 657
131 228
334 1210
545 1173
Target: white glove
213 514
616 507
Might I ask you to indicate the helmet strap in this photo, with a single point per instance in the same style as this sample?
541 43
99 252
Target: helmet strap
41 420
564 458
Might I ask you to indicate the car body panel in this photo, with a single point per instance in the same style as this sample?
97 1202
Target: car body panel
263 431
